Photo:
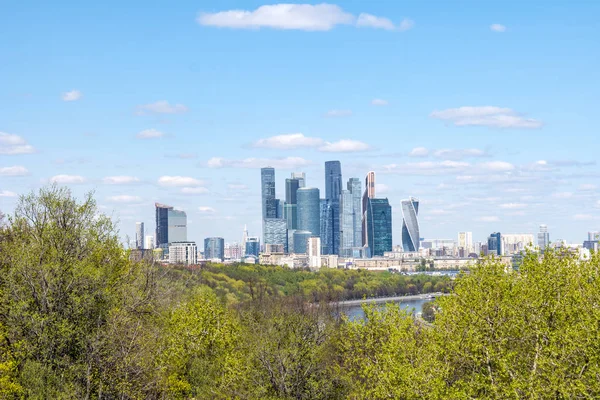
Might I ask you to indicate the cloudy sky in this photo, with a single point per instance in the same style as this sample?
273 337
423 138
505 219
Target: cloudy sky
483 110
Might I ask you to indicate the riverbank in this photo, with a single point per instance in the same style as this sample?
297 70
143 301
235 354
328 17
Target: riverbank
393 299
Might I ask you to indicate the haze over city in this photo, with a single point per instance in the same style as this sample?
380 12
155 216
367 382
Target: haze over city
484 115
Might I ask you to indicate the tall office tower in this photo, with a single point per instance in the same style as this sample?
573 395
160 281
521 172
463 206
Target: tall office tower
309 206
314 252
252 246
139 235
543 237
149 242
276 232
333 191
346 224
465 241
368 194
354 187
379 224
410 225
326 220
494 244
214 247
183 253
171 225
301 177
269 205
301 241
290 209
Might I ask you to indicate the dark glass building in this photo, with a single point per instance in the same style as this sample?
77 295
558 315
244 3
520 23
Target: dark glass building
410 225
333 191
308 210
252 247
379 226
269 202
162 224
214 247
495 244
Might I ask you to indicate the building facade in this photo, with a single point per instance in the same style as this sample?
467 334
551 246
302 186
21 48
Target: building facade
301 239
333 191
301 177
350 218
183 253
309 206
410 225
465 241
379 226
494 244
269 203
214 248
543 237
368 194
252 246
276 232
139 235
171 225
149 242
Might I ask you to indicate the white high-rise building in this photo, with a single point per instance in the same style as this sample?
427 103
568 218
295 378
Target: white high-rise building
515 243
233 251
465 241
314 252
149 242
139 235
183 253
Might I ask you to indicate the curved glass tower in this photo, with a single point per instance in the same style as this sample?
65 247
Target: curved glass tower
410 224
309 207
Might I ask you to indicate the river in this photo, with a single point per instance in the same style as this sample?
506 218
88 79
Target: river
414 304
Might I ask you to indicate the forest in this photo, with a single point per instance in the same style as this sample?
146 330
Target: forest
80 320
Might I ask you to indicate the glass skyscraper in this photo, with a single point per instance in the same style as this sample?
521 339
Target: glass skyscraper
368 194
543 237
325 212
333 191
290 210
301 241
410 225
379 226
139 235
269 203
171 225
252 247
214 247
495 244
276 232
350 218
308 210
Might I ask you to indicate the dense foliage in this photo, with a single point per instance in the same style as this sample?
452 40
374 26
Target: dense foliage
78 319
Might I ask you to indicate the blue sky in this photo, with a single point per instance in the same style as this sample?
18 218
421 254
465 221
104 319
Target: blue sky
484 110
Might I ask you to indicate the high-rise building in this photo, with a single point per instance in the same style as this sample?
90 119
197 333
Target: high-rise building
301 177
333 191
543 237
379 225
325 212
139 235
171 225
515 243
214 248
183 253
149 242
252 246
314 252
465 241
301 241
350 218
368 194
494 244
269 204
276 232
291 186
309 205
410 225
233 251
290 209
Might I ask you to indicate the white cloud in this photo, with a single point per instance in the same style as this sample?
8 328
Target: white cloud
588 187
16 170
283 163
119 180
379 102
562 195
149 134
206 210
488 219
7 193
67 179
426 167
161 107
381 188
498 28
406 24
419 152
338 113
73 95
306 17
124 199
344 146
496 166
513 206
490 116
457 154
179 181
194 190
372 21
288 141
14 144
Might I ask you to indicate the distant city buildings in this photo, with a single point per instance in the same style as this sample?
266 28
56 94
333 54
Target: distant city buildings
275 232
252 246
350 218
214 248
465 242
543 237
368 194
139 235
183 253
171 226
379 226
309 206
233 251
333 191
494 244
410 225
149 242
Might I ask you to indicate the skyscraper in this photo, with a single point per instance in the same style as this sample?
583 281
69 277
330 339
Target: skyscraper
183 253
149 242
333 191
139 235
276 232
269 205
465 242
379 225
350 218
252 246
368 194
171 225
410 225
301 177
214 247
543 237
494 244
326 220
290 210
309 210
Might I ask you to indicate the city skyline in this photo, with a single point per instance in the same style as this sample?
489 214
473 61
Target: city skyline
459 109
